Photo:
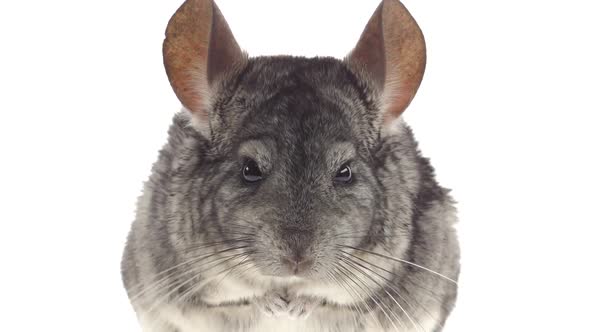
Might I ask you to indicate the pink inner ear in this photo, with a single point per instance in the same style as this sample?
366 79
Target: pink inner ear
392 51
198 49
369 51
185 53
224 51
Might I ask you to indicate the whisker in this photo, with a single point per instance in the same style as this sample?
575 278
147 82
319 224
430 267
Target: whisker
360 235
190 249
404 299
355 308
216 243
188 261
248 268
229 272
155 278
358 296
433 297
431 293
200 259
402 261
186 282
187 292
354 264
170 281
367 290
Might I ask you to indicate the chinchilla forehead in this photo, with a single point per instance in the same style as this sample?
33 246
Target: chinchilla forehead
296 101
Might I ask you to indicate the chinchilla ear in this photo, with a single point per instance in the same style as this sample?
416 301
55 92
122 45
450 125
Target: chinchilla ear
199 50
392 53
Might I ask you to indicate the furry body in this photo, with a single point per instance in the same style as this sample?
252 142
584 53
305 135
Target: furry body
291 196
183 204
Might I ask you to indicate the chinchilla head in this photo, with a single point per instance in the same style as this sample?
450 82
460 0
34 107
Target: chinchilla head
293 160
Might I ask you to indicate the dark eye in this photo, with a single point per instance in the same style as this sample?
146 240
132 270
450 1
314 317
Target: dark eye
344 174
251 172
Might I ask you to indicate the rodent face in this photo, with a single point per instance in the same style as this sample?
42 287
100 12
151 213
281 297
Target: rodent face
299 209
299 122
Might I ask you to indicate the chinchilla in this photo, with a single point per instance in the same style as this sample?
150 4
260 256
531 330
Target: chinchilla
290 195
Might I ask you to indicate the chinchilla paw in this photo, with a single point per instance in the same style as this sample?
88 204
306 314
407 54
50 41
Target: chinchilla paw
272 304
301 307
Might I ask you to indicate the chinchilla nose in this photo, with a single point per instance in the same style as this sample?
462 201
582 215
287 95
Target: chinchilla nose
297 264
297 257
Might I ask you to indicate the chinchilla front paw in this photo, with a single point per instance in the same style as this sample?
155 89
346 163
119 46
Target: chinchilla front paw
272 304
301 307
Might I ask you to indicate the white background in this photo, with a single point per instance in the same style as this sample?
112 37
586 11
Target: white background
503 112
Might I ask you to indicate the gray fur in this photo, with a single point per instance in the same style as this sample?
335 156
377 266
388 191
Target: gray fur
300 119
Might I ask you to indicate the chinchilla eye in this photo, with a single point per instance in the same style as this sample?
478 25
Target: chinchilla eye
250 171
344 174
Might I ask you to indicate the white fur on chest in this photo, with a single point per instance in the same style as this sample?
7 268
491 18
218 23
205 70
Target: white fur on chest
234 290
209 320
246 318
